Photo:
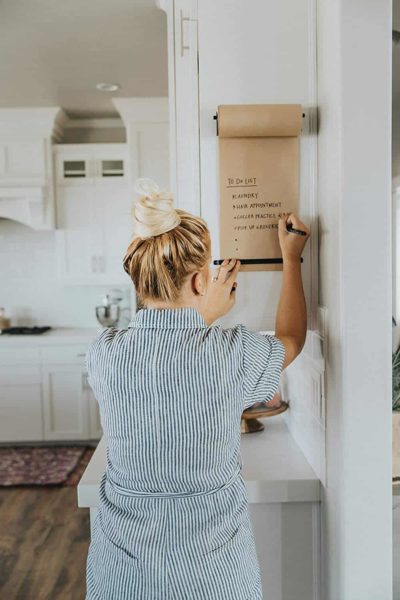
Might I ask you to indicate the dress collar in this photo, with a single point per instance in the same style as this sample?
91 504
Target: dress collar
168 318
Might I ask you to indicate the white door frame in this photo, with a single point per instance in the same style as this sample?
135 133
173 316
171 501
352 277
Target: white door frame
354 163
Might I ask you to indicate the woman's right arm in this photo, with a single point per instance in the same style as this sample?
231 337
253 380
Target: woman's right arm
291 316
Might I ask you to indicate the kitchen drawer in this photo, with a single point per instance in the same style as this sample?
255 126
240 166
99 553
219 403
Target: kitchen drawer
23 375
57 355
17 355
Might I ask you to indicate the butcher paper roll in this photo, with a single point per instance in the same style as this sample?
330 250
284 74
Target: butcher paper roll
259 179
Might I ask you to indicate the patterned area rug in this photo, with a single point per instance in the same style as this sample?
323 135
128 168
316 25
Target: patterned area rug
43 465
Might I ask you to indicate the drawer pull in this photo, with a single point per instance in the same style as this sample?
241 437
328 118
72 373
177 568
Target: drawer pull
183 45
81 354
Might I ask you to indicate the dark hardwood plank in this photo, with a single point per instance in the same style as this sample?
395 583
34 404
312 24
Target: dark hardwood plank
44 539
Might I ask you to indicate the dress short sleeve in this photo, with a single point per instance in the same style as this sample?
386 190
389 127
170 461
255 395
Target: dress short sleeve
263 357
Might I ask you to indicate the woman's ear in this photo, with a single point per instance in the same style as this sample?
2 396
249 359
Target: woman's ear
198 283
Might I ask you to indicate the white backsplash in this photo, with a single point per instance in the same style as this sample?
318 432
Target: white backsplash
29 288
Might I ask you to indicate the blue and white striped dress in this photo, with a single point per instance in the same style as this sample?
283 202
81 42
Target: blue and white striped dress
173 520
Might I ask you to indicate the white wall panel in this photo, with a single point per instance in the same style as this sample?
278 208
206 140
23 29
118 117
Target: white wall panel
257 53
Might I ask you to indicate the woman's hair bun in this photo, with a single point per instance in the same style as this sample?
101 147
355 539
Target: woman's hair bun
153 213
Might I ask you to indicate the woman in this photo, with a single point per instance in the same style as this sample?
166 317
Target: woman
173 519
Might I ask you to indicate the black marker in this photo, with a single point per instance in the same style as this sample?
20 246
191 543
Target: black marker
291 229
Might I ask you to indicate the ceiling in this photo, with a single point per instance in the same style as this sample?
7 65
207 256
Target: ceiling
53 52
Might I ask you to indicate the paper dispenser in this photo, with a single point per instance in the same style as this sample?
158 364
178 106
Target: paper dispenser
259 179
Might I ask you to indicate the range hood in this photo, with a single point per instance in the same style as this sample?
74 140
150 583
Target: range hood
27 205
26 165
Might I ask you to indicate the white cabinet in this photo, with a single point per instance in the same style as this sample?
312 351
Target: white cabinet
184 102
45 395
20 395
65 409
20 404
96 230
79 244
93 213
70 410
90 163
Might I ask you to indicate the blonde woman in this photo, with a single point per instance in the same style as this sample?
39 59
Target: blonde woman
173 520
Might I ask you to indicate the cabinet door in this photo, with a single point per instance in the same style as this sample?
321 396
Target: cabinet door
94 222
83 164
80 255
186 107
79 238
76 208
20 412
114 203
74 166
20 395
110 162
65 407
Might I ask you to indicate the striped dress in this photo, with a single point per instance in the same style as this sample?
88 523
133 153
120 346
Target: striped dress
173 520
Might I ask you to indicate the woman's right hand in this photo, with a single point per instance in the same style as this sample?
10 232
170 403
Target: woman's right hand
292 244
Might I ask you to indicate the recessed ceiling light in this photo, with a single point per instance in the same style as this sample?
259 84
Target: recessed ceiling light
107 87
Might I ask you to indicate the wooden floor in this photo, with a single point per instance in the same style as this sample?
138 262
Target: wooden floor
44 539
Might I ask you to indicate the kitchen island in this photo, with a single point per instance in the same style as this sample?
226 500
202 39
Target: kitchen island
284 497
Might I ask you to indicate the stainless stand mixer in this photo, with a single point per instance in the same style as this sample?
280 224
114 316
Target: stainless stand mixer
109 312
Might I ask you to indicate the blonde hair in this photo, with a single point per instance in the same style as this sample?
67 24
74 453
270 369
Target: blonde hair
169 244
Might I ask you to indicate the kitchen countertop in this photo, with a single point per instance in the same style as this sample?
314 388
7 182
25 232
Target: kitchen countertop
56 335
274 468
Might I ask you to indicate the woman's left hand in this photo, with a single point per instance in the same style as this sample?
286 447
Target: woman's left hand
220 295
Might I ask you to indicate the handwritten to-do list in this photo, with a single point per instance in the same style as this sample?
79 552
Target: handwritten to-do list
258 180
245 201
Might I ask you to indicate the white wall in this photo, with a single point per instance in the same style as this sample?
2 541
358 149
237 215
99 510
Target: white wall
249 53
354 76
29 289
265 52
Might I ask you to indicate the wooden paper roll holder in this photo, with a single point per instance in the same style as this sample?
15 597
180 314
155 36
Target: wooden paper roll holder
215 117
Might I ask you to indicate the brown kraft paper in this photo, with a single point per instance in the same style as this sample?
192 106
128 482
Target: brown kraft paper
259 178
